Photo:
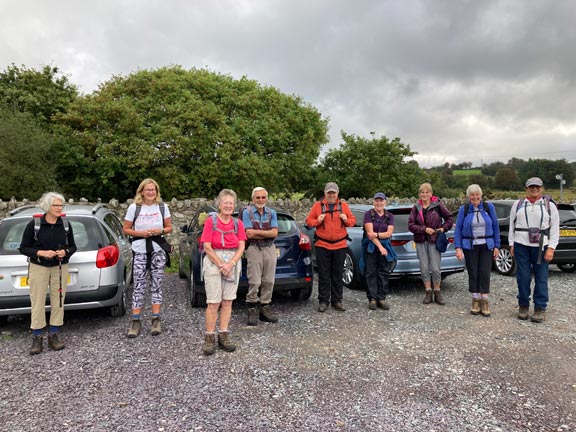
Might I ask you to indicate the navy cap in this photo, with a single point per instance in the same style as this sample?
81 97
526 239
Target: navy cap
380 195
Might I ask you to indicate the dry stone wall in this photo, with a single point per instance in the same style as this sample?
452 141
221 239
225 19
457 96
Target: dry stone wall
183 210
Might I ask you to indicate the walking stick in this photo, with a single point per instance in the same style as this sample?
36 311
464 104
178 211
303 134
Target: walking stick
60 271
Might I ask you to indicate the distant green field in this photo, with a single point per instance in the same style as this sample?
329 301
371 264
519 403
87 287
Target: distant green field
467 172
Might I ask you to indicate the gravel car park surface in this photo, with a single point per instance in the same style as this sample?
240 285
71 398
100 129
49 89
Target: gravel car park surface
414 368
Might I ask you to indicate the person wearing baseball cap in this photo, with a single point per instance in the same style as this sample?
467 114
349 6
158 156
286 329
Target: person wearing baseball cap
534 234
378 252
330 216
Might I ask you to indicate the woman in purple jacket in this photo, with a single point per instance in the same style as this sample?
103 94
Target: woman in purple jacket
428 217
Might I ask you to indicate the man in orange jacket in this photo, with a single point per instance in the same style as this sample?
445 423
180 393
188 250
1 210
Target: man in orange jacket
330 217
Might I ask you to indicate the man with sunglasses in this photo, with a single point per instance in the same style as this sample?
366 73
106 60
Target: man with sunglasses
533 237
261 224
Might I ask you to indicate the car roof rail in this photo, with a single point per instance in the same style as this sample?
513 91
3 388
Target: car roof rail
19 209
98 207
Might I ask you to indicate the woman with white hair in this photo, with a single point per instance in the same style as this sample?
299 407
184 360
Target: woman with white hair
48 242
477 239
223 239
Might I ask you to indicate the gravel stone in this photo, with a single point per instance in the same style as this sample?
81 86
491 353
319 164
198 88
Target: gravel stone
413 368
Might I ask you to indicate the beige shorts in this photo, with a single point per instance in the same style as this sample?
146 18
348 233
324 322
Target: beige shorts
217 287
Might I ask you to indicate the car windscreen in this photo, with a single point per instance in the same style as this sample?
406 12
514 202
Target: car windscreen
88 235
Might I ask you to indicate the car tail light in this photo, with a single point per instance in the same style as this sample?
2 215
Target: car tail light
399 242
305 242
451 240
107 256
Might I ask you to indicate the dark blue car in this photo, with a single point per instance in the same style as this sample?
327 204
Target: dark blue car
294 270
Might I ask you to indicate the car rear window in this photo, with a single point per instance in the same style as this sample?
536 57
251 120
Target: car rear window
286 225
88 235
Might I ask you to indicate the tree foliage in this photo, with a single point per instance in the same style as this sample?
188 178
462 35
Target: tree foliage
507 179
41 93
362 166
26 156
547 171
194 131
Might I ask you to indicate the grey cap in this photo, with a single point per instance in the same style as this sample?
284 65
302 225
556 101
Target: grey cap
534 181
331 187
380 195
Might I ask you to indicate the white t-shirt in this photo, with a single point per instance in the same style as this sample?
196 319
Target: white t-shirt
149 218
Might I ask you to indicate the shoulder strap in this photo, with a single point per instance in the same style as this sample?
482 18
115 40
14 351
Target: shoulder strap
137 212
37 221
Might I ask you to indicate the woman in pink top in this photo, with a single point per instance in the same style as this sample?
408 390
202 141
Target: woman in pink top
223 239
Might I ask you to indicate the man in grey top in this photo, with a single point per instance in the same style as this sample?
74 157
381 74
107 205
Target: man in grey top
261 224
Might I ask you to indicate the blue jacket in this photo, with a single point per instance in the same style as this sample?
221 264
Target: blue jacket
463 232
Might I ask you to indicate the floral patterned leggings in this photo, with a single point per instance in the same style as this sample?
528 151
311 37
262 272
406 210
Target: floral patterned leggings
158 262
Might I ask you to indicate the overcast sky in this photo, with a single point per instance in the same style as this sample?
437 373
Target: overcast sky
457 80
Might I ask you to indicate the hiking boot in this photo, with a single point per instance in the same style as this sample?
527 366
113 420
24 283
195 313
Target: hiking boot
438 298
54 343
372 305
427 297
523 312
475 309
37 345
266 314
484 309
135 327
538 316
383 304
225 343
339 307
209 347
156 327
252 315
322 307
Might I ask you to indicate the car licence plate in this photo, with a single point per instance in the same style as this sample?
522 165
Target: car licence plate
24 281
568 232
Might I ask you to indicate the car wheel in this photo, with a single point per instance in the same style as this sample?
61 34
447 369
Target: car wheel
119 309
505 262
302 293
197 299
351 275
181 267
567 268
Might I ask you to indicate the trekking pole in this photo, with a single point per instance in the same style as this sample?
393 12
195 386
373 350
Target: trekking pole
60 272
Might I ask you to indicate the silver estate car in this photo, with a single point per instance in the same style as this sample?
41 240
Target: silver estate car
99 272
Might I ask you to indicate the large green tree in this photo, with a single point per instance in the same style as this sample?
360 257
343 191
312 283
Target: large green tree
363 166
194 131
41 93
26 156
507 179
547 170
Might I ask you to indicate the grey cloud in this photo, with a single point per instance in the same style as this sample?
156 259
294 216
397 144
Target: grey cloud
447 77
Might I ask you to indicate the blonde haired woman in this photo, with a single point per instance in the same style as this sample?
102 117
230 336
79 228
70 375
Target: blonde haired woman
146 221
428 217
